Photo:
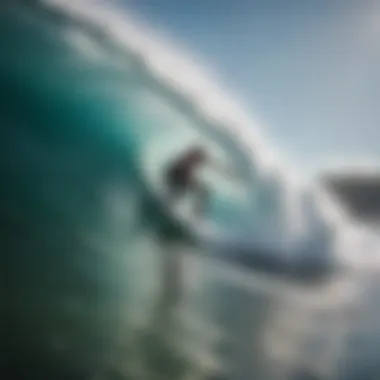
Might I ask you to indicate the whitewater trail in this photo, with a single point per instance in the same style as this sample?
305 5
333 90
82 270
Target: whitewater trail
304 210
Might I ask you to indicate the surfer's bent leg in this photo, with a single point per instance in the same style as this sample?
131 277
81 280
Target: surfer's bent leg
177 183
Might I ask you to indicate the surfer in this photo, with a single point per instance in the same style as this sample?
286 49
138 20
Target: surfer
181 177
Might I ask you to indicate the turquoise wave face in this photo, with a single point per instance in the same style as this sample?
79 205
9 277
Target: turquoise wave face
82 236
70 186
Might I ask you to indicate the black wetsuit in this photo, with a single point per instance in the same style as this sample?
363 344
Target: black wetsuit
181 178
180 175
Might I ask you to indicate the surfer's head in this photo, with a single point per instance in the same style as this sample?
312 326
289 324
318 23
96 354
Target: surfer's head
197 154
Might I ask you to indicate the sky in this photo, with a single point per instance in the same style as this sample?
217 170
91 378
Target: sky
308 69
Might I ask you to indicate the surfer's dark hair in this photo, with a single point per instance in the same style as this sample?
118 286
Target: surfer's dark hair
198 151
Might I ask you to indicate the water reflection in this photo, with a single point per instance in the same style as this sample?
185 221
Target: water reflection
232 323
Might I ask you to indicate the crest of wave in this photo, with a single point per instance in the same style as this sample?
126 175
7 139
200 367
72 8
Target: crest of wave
307 216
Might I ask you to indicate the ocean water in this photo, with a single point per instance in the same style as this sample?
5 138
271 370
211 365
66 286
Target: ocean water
99 280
